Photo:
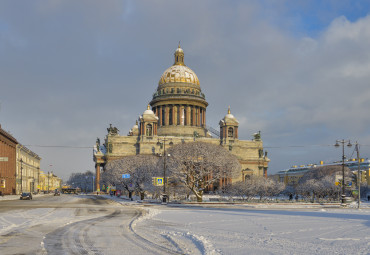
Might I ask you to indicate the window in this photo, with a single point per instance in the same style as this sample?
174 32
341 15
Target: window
178 115
170 116
191 117
163 116
230 132
149 130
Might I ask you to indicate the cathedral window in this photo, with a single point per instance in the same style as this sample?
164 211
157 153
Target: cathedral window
170 116
201 116
191 117
247 178
163 116
178 115
149 130
178 90
230 132
196 117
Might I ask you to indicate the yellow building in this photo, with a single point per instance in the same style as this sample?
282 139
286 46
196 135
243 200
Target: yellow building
49 182
27 170
177 112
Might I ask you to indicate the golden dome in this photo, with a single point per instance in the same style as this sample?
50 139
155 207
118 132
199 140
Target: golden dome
179 72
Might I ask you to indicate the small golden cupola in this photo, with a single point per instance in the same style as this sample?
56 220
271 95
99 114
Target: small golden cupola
179 56
229 127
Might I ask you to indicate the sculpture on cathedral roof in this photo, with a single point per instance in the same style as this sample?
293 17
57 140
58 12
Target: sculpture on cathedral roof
112 130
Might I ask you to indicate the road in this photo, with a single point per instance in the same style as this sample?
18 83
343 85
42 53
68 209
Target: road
70 224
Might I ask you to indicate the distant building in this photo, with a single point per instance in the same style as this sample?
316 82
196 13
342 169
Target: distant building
292 175
28 170
49 182
177 113
8 145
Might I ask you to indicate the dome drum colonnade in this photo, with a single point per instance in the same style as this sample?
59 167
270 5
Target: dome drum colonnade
179 102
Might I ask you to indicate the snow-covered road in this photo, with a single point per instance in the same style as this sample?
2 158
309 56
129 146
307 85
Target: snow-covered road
86 225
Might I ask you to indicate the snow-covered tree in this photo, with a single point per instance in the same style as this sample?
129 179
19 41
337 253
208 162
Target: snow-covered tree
141 169
84 181
198 165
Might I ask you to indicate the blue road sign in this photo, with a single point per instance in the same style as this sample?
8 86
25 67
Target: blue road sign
125 176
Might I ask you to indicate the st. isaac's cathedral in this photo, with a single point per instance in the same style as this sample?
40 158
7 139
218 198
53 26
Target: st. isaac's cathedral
177 114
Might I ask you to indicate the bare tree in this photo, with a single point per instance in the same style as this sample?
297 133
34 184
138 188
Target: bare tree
84 181
320 182
141 169
199 165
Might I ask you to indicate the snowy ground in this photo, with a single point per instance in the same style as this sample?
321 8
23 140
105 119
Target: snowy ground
249 229
73 225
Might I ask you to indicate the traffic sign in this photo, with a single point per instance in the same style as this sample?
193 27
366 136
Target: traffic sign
160 181
125 176
3 158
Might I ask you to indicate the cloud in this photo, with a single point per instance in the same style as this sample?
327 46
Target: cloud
70 68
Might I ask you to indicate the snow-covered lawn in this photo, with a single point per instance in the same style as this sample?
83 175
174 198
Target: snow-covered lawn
241 230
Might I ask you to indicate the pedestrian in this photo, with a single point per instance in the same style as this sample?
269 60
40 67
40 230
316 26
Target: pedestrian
290 197
368 198
296 198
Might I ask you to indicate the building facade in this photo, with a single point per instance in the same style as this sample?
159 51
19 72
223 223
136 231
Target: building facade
177 114
8 145
49 182
291 176
28 170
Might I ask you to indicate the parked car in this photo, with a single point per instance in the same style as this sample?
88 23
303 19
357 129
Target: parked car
26 195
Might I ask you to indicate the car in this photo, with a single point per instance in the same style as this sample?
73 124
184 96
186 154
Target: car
57 193
26 195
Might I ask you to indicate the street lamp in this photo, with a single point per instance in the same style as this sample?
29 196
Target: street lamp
160 143
337 144
21 175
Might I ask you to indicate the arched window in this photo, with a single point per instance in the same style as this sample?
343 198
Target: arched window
191 116
170 116
163 116
178 115
149 130
247 178
230 132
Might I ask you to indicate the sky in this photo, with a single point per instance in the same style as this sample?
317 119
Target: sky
298 71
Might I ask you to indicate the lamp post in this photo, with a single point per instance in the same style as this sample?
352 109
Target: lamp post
21 175
163 142
358 175
48 180
337 144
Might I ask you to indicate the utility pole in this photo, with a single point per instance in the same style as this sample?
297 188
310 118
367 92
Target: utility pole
21 175
343 157
358 175
48 180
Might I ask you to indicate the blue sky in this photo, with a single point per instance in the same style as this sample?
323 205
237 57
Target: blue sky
298 71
